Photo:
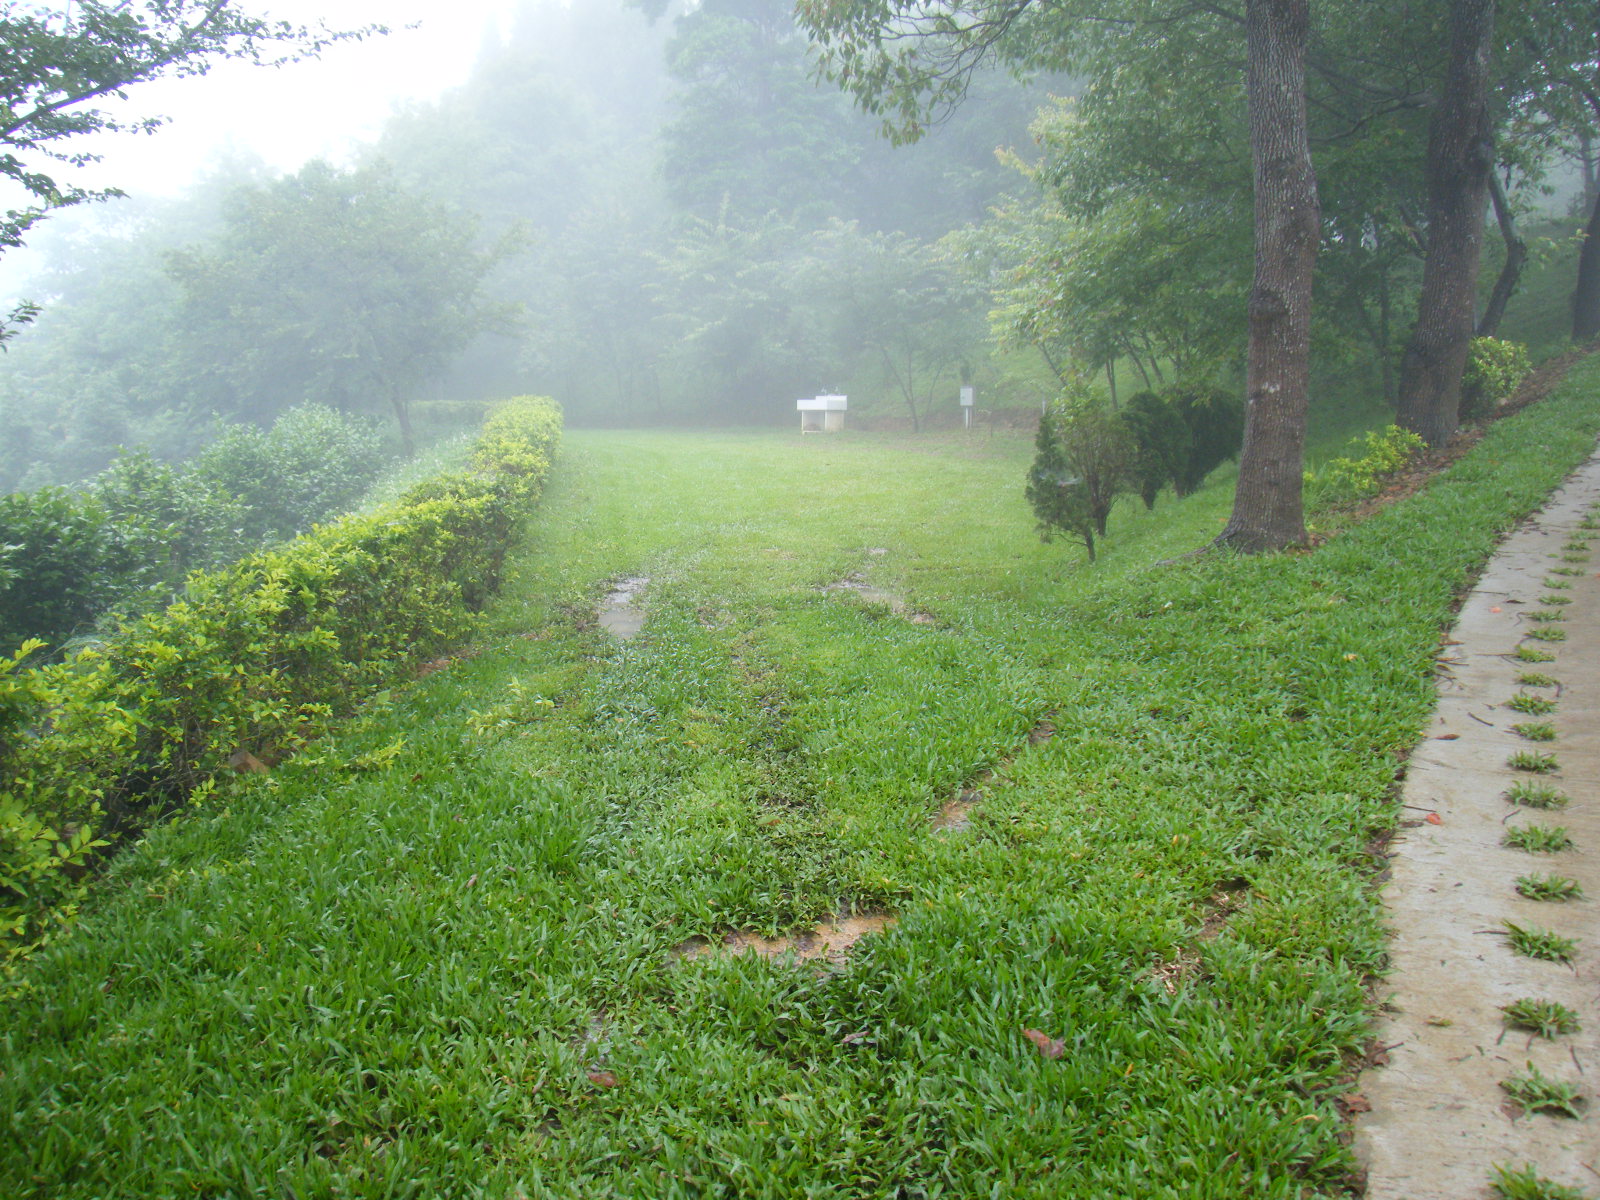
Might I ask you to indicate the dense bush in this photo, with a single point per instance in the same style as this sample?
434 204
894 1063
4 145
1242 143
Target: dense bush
1162 443
256 657
311 464
1215 420
64 563
1494 369
1087 455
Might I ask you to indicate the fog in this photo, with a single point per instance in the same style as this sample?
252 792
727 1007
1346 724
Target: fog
666 221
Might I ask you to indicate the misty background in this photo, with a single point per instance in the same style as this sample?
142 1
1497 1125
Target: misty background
662 220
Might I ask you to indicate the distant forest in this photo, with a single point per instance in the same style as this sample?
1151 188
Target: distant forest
650 219
663 214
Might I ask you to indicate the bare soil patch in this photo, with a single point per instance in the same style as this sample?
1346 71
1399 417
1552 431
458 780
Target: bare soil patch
831 942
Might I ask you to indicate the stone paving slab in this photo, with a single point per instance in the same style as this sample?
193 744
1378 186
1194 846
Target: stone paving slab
1439 1119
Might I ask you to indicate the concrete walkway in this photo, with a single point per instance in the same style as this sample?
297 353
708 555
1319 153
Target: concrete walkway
1440 1120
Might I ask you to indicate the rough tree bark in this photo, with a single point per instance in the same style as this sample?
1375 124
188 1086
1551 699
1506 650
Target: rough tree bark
1516 259
1268 511
1460 162
1586 294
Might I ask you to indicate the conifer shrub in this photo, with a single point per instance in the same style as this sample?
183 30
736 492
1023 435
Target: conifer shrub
1059 499
1215 420
1083 461
1162 442
256 657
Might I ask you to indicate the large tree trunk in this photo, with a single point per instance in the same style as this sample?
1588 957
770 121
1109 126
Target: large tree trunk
1586 295
1516 258
1460 161
1586 161
1268 512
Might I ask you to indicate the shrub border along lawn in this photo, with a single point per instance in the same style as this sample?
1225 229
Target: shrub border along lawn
253 660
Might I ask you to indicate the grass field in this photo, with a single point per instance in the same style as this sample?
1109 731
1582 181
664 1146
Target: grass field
443 955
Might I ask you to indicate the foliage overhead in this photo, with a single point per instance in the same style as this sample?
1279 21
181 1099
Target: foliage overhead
62 69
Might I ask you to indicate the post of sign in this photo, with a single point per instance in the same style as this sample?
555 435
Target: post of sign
966 404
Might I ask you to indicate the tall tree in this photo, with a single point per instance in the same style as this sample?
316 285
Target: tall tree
1555 96
1460 161
907 59
327 285
1268 510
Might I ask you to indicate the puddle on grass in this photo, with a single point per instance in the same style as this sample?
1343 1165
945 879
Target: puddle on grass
831 941
854 583
620 614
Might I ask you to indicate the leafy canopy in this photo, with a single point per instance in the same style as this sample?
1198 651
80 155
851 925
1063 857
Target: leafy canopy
59 70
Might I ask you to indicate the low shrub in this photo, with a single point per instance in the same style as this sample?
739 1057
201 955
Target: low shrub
1494 369
1358 475
256 657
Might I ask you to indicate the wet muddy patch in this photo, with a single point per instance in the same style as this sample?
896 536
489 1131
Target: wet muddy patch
830 942
956 813
620 614
1229 897
855 584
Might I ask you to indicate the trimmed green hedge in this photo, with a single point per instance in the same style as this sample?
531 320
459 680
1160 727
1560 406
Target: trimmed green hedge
255 658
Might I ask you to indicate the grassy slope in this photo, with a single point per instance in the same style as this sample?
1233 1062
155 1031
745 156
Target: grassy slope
390 968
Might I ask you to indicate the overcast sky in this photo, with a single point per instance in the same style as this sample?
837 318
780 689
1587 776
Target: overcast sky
291 114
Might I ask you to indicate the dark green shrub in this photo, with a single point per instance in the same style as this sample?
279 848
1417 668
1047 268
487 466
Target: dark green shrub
313 464
1215 420
63 565
1162 443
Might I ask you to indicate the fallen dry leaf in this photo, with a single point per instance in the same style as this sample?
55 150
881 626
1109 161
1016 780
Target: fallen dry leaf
1355 1102
1048 1046
603 1079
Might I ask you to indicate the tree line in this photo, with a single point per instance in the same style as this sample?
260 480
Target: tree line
657 211
1278 134
653 220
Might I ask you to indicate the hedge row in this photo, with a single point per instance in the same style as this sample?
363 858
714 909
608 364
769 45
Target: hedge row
252 661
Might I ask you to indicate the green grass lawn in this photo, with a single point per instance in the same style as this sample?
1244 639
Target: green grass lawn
438 956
